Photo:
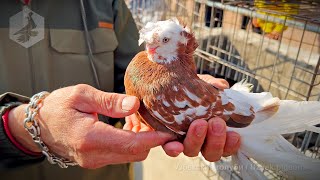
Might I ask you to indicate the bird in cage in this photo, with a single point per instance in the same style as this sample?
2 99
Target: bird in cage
172 95
164 78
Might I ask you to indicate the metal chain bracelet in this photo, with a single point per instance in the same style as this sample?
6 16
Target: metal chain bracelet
31 125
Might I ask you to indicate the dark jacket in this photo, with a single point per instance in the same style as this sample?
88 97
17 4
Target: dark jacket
99 38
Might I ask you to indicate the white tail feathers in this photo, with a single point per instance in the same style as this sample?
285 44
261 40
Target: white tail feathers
240 92
262 140
259 106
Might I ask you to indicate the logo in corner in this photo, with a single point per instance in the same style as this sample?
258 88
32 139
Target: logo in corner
26 27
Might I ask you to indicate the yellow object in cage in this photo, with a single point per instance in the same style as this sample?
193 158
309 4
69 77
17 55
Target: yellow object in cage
277 8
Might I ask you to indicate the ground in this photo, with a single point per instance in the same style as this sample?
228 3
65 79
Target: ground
159 166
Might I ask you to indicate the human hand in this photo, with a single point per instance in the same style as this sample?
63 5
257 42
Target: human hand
70 127
209 137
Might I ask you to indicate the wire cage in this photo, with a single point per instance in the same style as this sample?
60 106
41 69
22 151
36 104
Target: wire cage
274 44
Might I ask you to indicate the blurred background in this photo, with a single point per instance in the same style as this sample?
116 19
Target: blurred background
274 44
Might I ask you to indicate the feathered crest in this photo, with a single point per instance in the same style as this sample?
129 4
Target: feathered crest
187 36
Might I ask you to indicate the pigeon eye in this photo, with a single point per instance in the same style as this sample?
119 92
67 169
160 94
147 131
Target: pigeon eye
165 40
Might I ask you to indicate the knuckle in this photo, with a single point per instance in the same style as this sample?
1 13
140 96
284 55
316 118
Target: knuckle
217 145
109 101
133 149
78 90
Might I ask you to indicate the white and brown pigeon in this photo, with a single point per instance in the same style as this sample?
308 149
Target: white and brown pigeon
164 78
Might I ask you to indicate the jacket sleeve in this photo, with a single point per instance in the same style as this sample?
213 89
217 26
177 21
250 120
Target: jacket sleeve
10 155
127 36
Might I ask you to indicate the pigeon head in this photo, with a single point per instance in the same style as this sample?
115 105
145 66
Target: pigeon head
163 40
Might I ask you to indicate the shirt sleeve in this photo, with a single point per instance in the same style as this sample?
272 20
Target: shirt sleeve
10 155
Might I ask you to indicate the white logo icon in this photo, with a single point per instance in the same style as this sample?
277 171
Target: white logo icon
26 27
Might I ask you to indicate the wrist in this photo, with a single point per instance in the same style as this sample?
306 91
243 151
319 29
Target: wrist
16 129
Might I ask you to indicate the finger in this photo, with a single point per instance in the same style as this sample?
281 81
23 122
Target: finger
219 83
215 140
138 125
195 138
145 127
144 141
223 84
135 123
173 148
128 125
216 82
103 136
232 144
132 123
116 105
91 100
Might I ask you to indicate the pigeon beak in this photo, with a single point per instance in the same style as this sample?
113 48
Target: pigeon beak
151 49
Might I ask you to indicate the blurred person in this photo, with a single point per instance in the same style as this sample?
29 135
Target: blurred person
79 53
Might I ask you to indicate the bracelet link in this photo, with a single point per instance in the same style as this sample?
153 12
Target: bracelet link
32 126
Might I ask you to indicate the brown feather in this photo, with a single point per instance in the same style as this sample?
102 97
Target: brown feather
153 83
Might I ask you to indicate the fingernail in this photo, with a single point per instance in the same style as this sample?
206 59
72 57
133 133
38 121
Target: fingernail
136 129
218 127
200 131
128 103
176 153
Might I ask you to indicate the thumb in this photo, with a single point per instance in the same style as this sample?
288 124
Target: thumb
119 105
108 104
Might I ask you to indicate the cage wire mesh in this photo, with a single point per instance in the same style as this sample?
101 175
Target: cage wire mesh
275 45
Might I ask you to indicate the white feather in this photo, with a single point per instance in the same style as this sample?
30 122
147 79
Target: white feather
155 32
244 165
258 101
263 142
243 85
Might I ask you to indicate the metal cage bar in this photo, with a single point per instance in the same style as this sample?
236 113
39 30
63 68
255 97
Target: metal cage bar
232 47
